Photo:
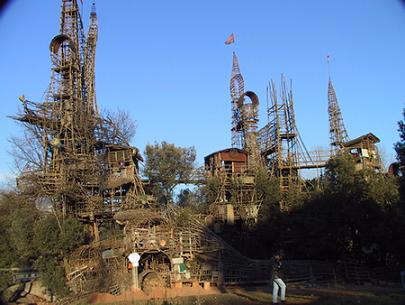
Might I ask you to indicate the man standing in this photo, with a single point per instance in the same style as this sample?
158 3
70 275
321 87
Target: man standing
278 283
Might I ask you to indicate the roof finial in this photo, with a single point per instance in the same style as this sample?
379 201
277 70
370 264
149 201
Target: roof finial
328 62
93 8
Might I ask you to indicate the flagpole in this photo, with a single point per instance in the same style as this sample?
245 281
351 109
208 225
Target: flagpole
328 63
231 40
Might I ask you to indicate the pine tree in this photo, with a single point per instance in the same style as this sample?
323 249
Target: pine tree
400 150
400 145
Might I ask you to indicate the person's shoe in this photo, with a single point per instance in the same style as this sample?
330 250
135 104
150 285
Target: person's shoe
283 302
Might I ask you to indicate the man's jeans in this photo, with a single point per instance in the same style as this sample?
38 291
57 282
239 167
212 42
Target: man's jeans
278 283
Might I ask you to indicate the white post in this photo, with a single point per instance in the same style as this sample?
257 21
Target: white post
134 259
135 277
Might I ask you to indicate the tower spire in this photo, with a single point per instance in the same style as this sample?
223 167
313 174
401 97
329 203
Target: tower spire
237 89
328 62
93 9
65 123
337 130
89 60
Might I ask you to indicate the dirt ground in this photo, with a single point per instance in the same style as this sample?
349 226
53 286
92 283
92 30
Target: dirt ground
258 295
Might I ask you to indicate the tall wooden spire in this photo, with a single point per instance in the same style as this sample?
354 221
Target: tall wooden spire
237 88
337 130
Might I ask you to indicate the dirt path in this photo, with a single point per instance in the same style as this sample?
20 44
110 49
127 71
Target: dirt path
297 295
245 295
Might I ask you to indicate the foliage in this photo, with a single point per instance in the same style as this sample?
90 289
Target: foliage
356 214
6 247
166 166
233 194
21 233
53 244
33 239
400 150
267 188
400 145
46 236
381 189
343 180
52 275
193 199
8 253
295 197
353 216
5 281
52 240
342 177
187 197
184 217
17 217
211 189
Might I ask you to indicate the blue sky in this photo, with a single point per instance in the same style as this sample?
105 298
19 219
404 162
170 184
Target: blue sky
166 63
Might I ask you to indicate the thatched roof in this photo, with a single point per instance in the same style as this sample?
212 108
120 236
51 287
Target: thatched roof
139 217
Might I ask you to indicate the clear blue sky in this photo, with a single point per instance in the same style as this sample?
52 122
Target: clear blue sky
166 63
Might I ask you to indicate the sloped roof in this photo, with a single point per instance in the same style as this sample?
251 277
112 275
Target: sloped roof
369 136
232 149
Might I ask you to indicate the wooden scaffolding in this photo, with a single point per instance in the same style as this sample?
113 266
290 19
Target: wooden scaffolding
281 145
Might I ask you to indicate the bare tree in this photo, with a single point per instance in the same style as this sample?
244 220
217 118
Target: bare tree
118 127
27 149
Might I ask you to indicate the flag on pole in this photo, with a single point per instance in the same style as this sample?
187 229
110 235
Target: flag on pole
230 39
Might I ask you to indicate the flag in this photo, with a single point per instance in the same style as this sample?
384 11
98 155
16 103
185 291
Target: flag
230 39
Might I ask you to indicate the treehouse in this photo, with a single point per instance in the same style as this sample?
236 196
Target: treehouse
364 150
237 199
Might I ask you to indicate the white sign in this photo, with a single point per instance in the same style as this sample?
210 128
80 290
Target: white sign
134 259
177 260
